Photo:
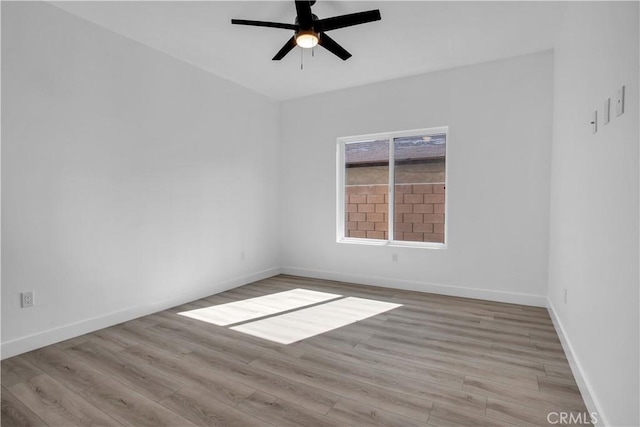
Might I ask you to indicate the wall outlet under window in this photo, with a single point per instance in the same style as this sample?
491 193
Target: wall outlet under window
27 299
394 258
620 101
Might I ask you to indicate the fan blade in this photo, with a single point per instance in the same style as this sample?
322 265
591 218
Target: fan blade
305 18
347 20
264 24
333 47
285 49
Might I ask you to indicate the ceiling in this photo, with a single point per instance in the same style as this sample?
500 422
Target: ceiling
413 37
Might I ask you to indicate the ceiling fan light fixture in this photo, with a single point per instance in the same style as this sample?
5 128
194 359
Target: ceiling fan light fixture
309 31
307 39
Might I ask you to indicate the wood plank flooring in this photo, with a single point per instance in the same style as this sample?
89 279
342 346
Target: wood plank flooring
434 361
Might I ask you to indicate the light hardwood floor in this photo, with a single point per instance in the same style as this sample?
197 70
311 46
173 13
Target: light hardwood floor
436 360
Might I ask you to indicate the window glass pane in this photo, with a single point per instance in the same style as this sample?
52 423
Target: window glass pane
419 174
366 189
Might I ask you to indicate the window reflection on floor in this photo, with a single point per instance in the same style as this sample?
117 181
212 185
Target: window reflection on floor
301 324
253 308
327 312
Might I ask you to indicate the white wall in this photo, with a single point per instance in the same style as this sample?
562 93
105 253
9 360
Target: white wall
594 205
130 181
499 117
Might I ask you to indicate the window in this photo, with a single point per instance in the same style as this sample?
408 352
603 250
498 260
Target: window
392 188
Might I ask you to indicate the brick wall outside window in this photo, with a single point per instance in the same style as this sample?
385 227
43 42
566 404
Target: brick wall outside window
419 212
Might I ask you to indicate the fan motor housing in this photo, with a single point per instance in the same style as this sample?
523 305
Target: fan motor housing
313 16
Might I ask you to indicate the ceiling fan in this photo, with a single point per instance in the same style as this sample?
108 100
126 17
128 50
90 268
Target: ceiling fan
311 31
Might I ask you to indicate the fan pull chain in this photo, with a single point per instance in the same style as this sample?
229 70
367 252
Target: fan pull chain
301 59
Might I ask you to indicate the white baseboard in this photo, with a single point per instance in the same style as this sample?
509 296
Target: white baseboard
456 291
586 390
52 336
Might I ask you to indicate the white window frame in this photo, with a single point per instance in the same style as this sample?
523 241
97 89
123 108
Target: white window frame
342 142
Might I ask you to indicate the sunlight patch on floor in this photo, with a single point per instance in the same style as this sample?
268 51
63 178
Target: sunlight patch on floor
253 308
305 323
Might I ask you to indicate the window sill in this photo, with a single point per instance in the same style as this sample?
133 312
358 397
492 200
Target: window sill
393 243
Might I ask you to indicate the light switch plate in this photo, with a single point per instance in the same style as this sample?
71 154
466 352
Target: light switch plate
27 299
620 102
594 122
607 111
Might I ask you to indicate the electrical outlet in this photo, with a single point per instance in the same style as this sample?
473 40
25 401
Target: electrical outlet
620 102
27 299
565 296
394 257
